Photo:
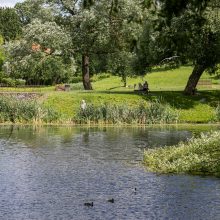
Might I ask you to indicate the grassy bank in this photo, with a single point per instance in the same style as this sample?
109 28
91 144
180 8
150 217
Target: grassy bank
197 156
165 85
197 109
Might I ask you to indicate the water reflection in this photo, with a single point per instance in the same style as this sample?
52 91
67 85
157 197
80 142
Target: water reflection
49 172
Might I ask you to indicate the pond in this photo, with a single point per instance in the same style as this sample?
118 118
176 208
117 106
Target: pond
50 172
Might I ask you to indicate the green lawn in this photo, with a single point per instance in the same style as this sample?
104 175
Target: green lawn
166 85
158 79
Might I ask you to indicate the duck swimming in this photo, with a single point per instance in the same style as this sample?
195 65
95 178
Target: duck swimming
111 200
88 204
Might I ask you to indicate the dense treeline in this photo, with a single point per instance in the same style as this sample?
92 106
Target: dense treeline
64 39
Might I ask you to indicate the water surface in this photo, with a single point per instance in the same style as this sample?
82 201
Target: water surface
50 172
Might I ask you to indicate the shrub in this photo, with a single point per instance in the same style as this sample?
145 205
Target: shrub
76 79
76 86
12 82
197 156
98 77
8 82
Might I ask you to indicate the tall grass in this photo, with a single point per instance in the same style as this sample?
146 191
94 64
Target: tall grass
153 113
197 156
25 111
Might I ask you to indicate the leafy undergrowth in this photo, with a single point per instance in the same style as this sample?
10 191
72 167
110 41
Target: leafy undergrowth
199 155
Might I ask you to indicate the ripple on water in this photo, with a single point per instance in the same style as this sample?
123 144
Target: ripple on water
50 173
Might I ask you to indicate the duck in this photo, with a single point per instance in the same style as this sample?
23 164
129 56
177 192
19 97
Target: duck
134 190
88 204
111 200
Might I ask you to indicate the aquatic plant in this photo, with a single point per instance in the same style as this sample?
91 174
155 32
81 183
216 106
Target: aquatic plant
153 113
19 110
197 156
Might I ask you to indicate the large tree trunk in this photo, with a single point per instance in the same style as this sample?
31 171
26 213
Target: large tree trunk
85 72
193 79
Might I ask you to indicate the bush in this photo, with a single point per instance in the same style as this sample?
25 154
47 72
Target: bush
76 79
8 82
76 86
12 82
197 156
98 77
20 82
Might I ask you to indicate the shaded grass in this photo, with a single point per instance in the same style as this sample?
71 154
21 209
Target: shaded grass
158 79
197 156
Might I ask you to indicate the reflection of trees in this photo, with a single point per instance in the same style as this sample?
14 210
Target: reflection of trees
107 140
34 136
86 137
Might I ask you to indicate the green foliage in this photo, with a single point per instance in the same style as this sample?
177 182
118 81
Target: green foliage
10 26
75 79
121 64
99 28
197 156
17 110
154 113
2 55
12 82
99 77
76 86
218 112
29 10
40 57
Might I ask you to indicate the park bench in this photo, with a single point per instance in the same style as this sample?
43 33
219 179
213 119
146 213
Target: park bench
205 82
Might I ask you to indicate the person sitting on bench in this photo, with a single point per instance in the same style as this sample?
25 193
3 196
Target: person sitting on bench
145 87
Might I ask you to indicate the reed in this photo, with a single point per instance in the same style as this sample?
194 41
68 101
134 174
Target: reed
25 111
153 113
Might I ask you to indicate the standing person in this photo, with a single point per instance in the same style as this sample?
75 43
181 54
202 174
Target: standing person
83 105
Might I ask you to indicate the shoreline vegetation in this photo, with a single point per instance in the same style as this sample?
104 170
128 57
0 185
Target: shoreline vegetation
24 109
197 156
111 103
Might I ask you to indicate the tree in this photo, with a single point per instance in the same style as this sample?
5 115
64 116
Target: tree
190 30
30 10
10 26
121 64
96 27
41 56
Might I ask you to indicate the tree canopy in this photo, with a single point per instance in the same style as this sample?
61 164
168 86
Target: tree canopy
126 37
10 26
